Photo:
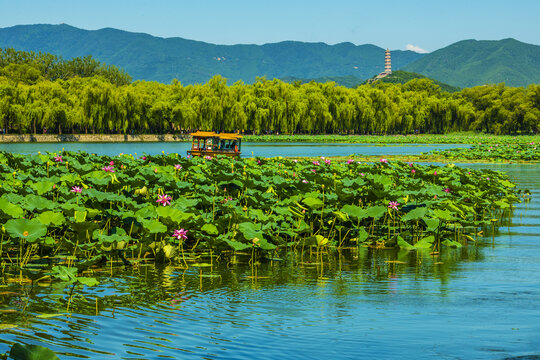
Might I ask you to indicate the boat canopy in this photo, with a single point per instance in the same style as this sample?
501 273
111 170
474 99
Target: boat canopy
210 134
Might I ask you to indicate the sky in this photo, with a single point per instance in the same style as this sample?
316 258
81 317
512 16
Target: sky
420 25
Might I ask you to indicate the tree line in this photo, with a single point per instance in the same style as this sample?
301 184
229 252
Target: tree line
40 92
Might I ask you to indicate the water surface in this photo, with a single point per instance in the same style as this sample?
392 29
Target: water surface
477 302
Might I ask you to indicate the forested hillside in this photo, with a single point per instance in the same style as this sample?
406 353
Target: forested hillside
147 57
471 63
401 77
97 103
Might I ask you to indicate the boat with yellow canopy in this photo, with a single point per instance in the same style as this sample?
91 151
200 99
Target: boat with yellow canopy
209 143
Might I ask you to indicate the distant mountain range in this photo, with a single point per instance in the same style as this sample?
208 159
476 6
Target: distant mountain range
471 62
145 57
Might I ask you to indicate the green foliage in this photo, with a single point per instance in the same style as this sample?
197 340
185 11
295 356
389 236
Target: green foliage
31 352
275 203
495 152
473 63
402 77
30 67
193 62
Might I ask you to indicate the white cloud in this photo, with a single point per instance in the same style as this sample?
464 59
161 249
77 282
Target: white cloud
415 48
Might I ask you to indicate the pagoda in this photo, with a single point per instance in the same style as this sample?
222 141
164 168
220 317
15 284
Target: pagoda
387 62
387 67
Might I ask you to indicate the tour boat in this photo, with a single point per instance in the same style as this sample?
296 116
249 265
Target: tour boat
208 143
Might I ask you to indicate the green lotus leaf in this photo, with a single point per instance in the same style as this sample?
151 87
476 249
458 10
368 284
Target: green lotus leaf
154 226
341 215
31 352
42 187
250 230
10 209
210 229
51 217
415 214
146 212
30 230
376 211
444 215
432 224
33 202
451 243
313 203
173 214
64 273
116 235
237 245
402 244
80 216
426 242
355 211
362 235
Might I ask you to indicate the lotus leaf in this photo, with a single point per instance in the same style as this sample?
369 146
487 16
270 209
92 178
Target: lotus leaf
51 217
30 230
10 209
313 203
154 226
210 229
33 202
425 243
31 352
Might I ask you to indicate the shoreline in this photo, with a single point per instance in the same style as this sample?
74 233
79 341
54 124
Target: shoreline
91 138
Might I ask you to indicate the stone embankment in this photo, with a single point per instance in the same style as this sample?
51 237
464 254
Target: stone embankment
52 138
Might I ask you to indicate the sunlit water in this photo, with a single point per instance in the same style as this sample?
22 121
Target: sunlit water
248 149
470 303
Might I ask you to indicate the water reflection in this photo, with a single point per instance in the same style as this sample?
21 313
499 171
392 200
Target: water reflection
479 301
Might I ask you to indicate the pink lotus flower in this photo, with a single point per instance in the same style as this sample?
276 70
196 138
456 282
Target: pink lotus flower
76 189
305 181
164 200
58 158
111 163
434 173
316 162
328 161
361 174
144 157
178 167
180 234
314 170
383 161
259 162
108 168
295 161
447 190
350 161
411 164
393 205
413 171
208 157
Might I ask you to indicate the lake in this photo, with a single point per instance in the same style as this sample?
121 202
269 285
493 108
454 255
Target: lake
248 149
477 302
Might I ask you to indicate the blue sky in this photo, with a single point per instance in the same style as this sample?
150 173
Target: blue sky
425 24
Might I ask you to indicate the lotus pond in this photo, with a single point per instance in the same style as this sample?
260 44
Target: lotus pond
495 152
165 257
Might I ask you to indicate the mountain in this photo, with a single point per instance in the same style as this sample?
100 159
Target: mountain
401 77
147 57
471 63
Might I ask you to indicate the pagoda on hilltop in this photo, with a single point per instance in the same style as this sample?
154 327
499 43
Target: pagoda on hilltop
387 67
